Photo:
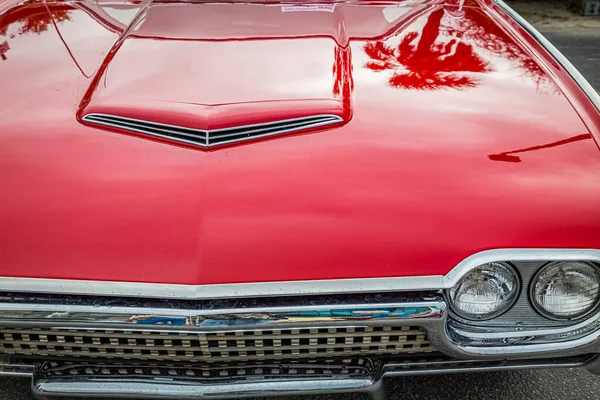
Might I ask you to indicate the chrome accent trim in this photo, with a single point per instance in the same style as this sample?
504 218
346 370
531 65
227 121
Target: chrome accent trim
488 256
583 345
16 368
10 366
219 319
554 52
583 338
493 336
458 366
212 138
290 288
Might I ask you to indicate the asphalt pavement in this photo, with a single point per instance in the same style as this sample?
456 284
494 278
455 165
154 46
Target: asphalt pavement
583 49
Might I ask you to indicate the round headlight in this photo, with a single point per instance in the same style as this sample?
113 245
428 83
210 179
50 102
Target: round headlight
485 292
566 289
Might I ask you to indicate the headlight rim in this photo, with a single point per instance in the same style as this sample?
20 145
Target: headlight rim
502 311
592 311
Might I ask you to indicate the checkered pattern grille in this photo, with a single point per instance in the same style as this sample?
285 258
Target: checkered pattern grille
240 346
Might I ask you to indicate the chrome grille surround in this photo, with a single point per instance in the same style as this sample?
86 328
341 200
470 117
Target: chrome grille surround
212 331
111 347
214 137
269 330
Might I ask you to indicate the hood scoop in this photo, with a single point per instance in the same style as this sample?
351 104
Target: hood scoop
214 137
201 85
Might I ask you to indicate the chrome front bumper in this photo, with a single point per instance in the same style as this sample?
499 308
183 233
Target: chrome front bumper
120 339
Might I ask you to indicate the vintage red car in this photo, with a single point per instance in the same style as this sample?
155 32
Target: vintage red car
230 199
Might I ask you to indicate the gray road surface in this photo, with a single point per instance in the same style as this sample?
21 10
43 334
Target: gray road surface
584 52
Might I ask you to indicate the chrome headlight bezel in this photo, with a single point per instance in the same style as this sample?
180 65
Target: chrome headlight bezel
516 294
534 304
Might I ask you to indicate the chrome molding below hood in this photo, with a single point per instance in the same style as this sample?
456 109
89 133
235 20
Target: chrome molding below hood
220 319
289 288
17 368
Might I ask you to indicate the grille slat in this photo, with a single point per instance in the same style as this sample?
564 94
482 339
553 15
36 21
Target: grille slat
185 135
156 129
215 137
214 346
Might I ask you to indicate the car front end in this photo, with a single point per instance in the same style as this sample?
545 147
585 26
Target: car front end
242 199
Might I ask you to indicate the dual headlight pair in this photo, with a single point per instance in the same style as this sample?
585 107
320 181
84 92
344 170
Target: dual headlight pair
560 290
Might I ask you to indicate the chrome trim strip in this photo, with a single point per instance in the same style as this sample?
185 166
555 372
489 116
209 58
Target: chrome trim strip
562 60
458 366
527 335
17 369
157 389
214 291
289 288
452 277
511 339
219 319
586 344
132 124
146 132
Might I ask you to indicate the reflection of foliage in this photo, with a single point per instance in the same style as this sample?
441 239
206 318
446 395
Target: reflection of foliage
343 83
34 17
475 27
39 23
421 63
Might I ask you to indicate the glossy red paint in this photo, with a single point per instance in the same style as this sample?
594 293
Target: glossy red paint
462 135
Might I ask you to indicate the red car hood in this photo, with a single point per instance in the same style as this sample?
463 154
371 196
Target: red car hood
455 139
